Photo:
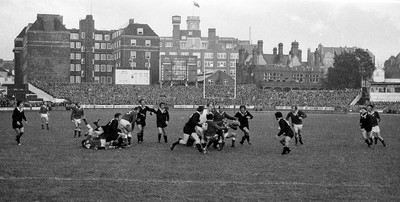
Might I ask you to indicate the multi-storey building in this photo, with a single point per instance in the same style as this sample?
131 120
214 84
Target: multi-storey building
47 51
212 52
136 51
277 70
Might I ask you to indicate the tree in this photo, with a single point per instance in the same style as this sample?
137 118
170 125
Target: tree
349 69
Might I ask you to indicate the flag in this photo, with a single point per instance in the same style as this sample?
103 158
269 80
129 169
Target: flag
196 4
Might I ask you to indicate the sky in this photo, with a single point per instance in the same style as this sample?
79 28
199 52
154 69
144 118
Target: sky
367 24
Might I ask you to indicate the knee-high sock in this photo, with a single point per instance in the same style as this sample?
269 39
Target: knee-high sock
199 147
159 137
165 138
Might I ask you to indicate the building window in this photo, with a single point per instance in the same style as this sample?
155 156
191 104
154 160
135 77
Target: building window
147 55
103 57
204 45
96 68
232 64
74 36
172 53
133 42
190 33
221 63
109 68
78 45
221 55
72 56
183 45
109 79
103 79
208 55
197 54
147 65
229 46
183 37
225 82
103 45
109 57
83 49
96 79
133 54
198 63
83 35
78 67
107 37
232 72
96 56
77 56
234 56
139 31
96 45
72 67
184 53
72 79
83 61
168 44
108 45
147 43
133 64
162 53
72 44
210 81
98 37
208 63
103 68
77 79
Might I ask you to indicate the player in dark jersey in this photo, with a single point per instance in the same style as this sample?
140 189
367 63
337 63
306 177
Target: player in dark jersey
296 116
17 116
190 131
76 116
285 134
375 119
366 126
141 119
112 133
44 115
162 121
243 117
220 118
213 131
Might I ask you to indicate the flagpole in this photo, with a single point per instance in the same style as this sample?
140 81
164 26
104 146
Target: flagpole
235 79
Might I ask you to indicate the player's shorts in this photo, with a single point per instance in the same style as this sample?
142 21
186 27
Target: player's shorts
242 126
44 116
143 123
185 138
297 127
376 129
161 125
126 124
77 121
15 125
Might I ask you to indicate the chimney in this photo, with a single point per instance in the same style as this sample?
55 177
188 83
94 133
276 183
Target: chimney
212 37
274 51
280 47
260 47
131 21
176 31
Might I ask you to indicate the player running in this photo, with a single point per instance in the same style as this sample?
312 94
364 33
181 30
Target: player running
296 116
76 116
44 115
220 118
17 116
243 117
190 131
286 131
366 126
375 119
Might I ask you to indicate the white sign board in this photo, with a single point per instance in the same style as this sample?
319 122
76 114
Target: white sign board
132 77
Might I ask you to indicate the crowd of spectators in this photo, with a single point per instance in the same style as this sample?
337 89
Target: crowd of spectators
108 94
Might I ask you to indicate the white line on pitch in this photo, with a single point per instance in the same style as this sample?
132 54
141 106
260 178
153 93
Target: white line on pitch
195 181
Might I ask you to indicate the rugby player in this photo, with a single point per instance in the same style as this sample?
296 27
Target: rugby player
375 119
162 121
243 117
76 116
141 119
127 123
44 115
296 116
286 131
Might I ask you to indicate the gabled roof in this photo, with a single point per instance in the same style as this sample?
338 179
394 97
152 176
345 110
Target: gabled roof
22 33
131 29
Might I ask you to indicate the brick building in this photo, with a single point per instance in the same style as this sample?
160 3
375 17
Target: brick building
42 50
277 70
213 52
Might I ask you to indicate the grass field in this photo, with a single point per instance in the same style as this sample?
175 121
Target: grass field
334 164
